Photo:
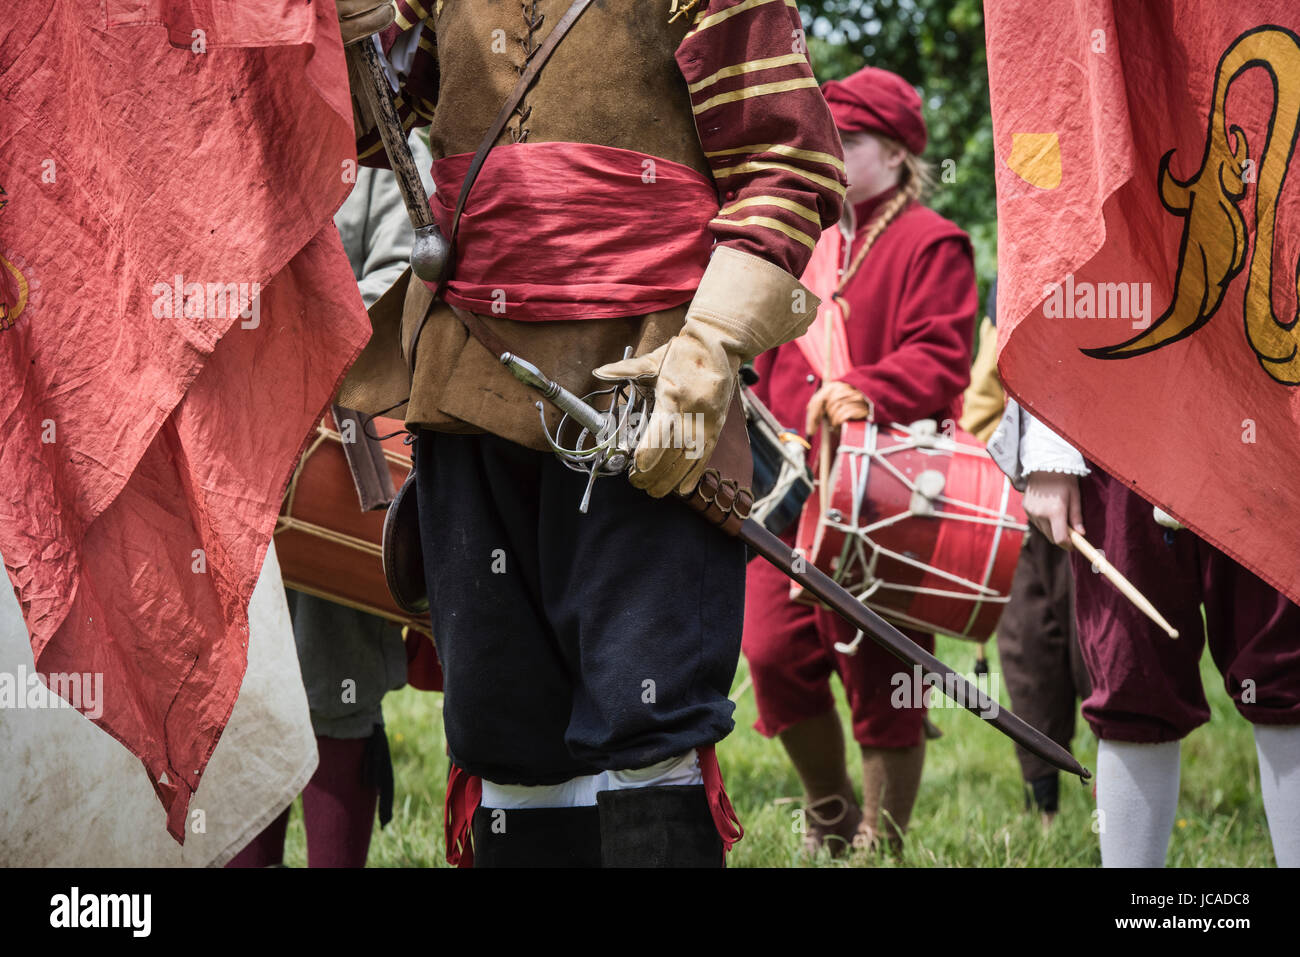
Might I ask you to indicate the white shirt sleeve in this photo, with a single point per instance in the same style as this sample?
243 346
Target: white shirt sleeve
1042 450
1022 445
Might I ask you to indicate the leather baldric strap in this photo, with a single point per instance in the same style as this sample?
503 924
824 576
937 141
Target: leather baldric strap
480 331
532 67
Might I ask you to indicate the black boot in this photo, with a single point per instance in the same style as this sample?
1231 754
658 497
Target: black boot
537 837
658 827
1044 793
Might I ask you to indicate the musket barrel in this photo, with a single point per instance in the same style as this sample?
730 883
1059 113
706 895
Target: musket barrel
379 97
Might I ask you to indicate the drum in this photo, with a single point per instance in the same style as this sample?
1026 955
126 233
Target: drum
921 527
782 480
327 546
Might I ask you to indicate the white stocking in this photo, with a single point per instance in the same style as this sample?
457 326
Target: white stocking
1279 781
1137 797
575 792
683 770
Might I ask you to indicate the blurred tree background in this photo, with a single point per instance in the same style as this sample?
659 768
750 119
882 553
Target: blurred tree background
938 46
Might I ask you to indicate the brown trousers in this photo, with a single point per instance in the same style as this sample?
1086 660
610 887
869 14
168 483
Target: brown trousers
1038 646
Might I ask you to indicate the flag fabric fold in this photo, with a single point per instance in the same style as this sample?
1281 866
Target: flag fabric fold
170 171
1147 248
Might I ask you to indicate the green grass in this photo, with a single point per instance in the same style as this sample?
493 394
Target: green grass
970 812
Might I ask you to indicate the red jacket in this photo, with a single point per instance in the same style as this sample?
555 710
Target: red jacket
910 326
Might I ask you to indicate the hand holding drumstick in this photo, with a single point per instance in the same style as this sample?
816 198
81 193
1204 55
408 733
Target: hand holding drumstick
1053 504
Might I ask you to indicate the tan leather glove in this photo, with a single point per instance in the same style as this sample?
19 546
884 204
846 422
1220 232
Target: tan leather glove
744 306
839 402
359 19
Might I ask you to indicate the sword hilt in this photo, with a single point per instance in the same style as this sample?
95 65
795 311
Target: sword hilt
604 443
564 400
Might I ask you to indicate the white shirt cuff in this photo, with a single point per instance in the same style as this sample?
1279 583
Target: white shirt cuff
1042 450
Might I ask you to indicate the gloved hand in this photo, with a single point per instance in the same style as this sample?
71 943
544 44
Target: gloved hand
839 402
359 19
744 305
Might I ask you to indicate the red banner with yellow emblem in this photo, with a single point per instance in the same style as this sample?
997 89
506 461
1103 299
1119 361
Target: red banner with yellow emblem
1148 241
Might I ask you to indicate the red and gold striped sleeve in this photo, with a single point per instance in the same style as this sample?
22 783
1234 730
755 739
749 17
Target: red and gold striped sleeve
412 52
765 127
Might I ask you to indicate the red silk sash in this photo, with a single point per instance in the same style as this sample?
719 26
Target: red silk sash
575 231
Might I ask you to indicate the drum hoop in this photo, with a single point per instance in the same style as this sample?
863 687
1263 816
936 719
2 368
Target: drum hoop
942 593
993 553
409 621
913 622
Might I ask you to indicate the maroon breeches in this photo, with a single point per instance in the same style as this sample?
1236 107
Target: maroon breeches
1146 687
791 654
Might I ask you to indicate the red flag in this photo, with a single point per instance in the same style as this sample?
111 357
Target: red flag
1148 240
179 312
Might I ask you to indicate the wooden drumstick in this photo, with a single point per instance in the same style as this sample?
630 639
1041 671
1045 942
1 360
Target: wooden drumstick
825 465
1112 575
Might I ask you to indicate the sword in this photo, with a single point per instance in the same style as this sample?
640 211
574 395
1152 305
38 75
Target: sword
794 565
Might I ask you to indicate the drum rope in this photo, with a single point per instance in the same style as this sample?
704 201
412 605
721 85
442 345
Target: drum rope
419 624
297 472
287 523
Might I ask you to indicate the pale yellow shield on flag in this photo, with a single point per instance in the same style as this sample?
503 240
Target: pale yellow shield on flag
1036 158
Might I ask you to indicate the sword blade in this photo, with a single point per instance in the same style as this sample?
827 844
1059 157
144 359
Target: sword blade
840 601
956 687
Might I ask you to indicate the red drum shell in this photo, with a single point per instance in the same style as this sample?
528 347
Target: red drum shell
326 545
935 549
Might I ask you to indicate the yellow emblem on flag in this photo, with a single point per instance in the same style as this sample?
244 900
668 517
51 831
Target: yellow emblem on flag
13 287
1216 245
1036 158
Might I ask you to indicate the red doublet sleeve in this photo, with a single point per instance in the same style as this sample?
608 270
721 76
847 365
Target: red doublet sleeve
930 366
766 130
